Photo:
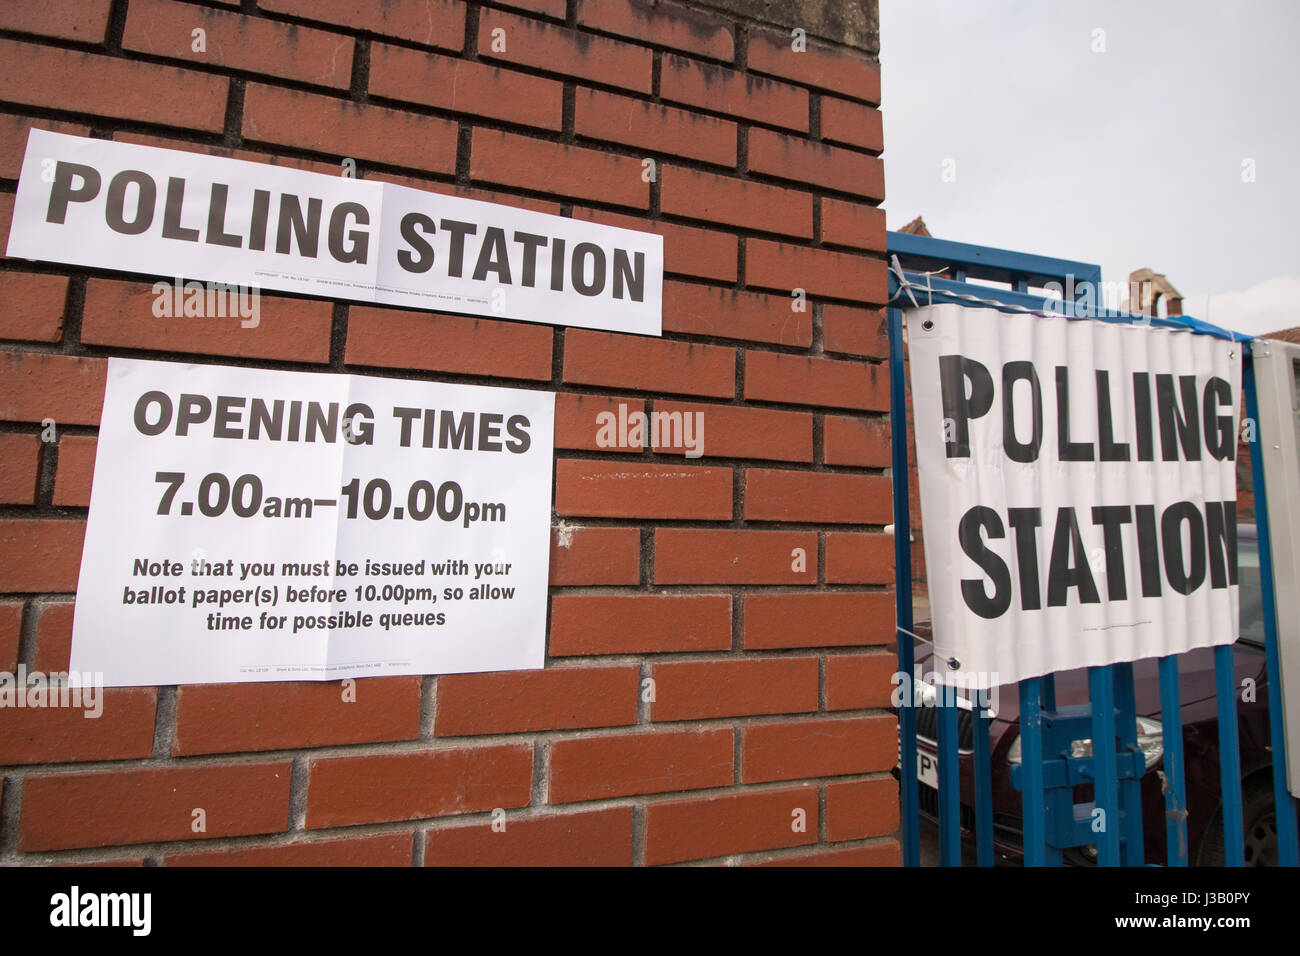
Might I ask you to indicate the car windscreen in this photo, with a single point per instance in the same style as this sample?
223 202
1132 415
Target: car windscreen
1252 605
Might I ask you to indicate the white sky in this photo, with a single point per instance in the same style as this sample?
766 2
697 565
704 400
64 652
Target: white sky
1128 158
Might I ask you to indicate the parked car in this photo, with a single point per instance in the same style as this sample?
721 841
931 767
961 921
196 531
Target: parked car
1199 720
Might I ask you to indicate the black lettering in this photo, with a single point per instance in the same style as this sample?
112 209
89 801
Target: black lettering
1221 530
1017 450
958 406
1067 450
517 429
1107 448
305 230
62 191
492 256
1111 517
217 235
419 258
578 268
626 272
1220 437
1178 425
1183 576
456 254
358 239
172 206
164 403
973 590
1069 564
531 243
1025 521
146 197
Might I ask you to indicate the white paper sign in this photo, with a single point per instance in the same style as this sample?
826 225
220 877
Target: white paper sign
1078 490
171 213
252 525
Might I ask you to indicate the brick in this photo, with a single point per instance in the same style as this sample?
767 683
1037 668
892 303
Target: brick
154 804
663 24
123 730
852 124
384 849
402 338
831 68
547 8
467 192
85 21
799 749
580 420
208 149
121 314
852 224
695 194
252 44
63 387
557 49
376 788
230 718
857 442
596 838
592 624
594 556
33 306
731 314
11 628
804 161
859 681
508 159
13 143
885 853
601 489
20 457
716 88
859 558
810 380
738 431
620 765
464 86
699 556
325 124
645 363
40 555
821 619
855 331
704 253
820 272
72 482
560 698
705 690
111 87
436 23
702 828
53 637
821 497
653 127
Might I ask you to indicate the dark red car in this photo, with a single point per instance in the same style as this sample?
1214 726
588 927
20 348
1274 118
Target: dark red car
1200 740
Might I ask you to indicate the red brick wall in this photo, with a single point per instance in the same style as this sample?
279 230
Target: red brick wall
769 684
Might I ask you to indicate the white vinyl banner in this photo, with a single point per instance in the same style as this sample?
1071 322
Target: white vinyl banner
1078 490
252 525
93 202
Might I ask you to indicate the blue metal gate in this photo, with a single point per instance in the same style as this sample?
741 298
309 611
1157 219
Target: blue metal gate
1051 765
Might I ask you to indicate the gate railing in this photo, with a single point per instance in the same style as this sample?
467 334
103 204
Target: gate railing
934 270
